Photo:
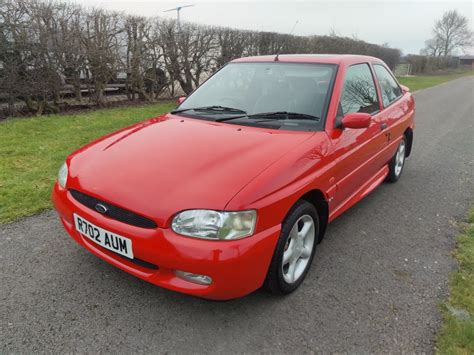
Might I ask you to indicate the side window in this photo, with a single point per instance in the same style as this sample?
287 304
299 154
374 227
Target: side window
390 89
359 93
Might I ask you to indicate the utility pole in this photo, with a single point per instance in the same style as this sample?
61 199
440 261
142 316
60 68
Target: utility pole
178 10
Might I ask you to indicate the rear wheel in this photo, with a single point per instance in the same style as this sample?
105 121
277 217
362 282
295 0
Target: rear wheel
295 249
397 162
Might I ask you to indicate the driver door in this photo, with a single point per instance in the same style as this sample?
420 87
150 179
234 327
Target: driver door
355 150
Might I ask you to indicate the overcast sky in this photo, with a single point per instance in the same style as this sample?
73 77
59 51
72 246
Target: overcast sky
401 24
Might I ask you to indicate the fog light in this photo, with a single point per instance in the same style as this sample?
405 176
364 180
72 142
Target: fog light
195 278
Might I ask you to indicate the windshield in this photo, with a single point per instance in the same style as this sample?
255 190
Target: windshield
277 95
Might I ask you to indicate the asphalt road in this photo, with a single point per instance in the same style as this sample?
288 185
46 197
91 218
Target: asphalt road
374 285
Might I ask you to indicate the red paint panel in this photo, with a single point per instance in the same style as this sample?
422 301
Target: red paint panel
162 166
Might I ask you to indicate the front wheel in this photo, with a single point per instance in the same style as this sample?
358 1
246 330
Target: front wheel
397 162
295 249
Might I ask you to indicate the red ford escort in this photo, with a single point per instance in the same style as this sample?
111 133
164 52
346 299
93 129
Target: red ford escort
233 190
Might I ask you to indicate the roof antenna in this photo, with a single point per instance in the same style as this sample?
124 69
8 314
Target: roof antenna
281 46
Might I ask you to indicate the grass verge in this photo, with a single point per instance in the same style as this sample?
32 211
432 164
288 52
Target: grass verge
420 82
33 149
457 333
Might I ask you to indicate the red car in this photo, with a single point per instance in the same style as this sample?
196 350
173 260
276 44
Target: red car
233 190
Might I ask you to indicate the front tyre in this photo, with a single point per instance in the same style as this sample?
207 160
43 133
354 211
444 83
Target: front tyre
295 249
397 162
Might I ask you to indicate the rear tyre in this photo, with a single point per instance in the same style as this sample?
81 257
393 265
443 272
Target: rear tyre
295 249
397 162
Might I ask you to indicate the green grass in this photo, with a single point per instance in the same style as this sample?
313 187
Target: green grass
425 81
457 333
33 149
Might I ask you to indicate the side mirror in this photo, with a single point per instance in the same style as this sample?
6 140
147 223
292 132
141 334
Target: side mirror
181 99
405 89
356 120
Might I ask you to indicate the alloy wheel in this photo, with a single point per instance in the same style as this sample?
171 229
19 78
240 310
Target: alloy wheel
400 158
298 249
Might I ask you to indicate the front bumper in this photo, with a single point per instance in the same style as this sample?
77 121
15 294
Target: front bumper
237 267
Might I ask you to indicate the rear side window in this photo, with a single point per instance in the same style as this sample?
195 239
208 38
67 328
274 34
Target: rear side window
390 89
359 93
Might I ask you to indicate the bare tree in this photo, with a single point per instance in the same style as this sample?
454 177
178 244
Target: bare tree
155 76
449 33
197 47
50 49
67 45
433 48
47 79
137 29
189 54
231 44
169 46
28 66
11 60
102 43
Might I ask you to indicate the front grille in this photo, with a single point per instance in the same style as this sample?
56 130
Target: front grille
114 212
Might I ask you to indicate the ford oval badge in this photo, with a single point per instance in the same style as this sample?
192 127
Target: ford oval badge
100 208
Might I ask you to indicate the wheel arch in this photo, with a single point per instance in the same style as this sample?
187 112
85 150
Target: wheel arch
409 137
317 199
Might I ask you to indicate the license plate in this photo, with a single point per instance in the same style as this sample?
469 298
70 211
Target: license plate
103 237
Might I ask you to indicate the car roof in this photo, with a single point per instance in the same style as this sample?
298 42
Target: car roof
339 59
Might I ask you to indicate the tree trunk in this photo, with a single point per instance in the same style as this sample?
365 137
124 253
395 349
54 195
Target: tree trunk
40 109
29 104
11 105
77 87
99 94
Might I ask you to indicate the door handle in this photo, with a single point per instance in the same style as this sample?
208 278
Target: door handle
383 126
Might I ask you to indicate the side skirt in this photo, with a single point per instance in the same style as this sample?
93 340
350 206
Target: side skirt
363 191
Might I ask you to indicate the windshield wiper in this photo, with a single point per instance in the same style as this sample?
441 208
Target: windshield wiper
287 115
215 108
274 116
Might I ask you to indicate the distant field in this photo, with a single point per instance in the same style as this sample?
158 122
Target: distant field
425 81
33 149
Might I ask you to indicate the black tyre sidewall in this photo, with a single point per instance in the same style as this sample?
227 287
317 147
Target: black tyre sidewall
275 281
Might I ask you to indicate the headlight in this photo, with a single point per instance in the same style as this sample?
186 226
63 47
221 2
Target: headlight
62 176
207 224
